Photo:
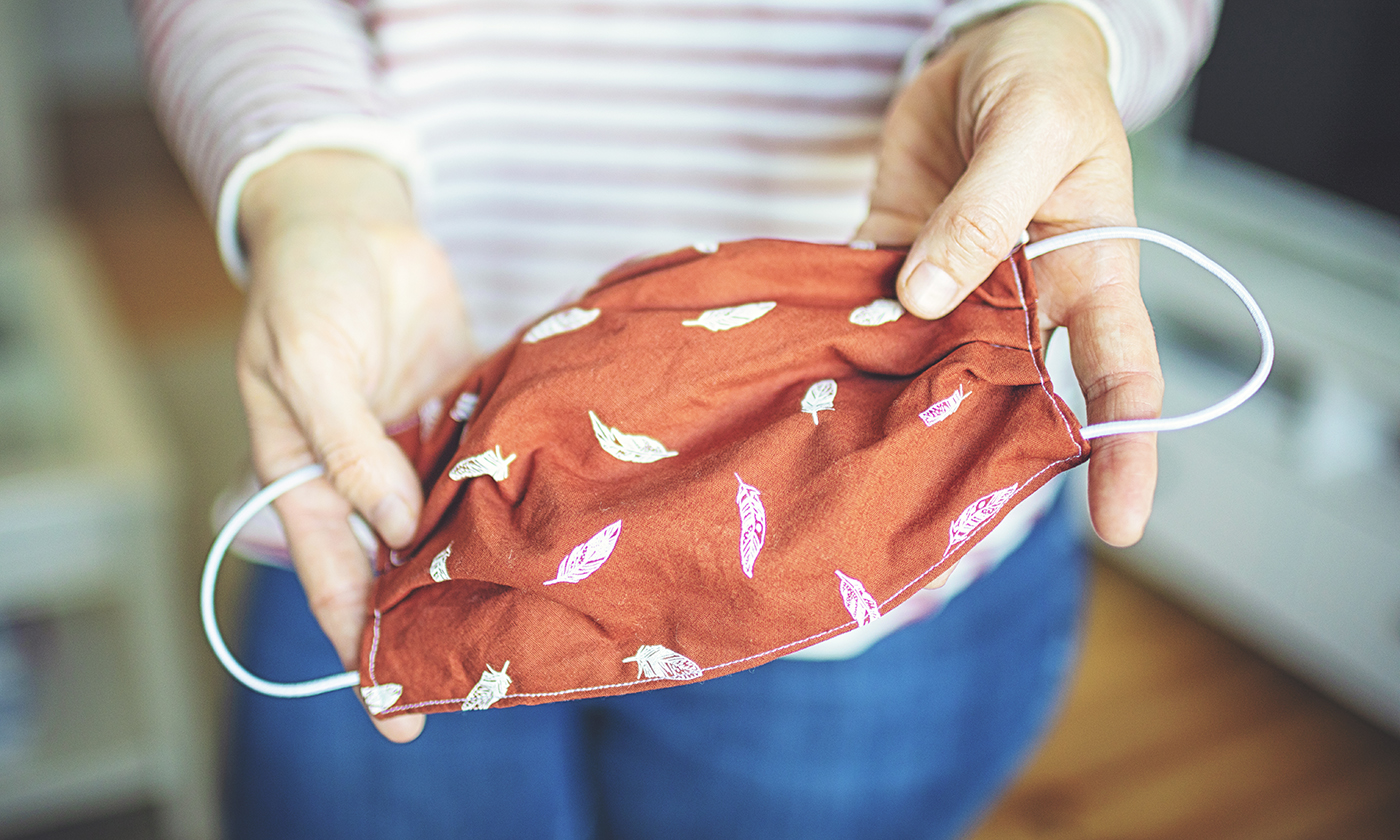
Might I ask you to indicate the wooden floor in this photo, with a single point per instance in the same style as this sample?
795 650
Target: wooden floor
1170 730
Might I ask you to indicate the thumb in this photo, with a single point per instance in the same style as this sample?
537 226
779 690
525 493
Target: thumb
977 225
367 468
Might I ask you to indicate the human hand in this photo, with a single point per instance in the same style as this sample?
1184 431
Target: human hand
1012 127
352 319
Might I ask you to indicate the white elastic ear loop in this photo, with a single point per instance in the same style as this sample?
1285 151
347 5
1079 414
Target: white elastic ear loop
1195 418
260 500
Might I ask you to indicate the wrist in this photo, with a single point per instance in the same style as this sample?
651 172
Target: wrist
322 185
1060 31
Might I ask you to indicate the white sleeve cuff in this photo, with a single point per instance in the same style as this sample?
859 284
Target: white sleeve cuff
394 144
961 15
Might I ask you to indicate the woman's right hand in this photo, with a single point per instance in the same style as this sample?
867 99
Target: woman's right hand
352 320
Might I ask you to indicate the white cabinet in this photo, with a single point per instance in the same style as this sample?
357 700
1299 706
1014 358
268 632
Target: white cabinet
87 540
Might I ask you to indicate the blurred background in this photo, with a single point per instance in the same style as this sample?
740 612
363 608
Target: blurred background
1241 670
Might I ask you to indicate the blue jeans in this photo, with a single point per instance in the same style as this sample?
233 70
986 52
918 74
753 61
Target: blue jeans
913 738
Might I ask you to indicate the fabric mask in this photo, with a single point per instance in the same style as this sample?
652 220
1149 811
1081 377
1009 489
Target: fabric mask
716 457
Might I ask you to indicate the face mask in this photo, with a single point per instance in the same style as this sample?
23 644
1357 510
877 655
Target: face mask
715 458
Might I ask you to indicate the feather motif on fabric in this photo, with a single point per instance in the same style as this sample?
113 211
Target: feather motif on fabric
492 686
463 407
428 416
379 698
588 557
877 312
437 570
706 247
638 449
859 603
489 463
753 525
944 408
655 662
729 317
561 322
820 397
977 514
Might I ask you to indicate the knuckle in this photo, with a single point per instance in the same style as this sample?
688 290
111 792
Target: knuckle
976 235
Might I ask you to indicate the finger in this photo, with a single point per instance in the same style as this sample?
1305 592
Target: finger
330 562
1115 359
980 221
366 467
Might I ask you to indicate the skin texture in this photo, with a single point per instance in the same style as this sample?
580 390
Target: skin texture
353 318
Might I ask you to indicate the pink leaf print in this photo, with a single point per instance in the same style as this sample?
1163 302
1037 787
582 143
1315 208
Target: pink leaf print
859 603
944 408
655 662
976 515
753 525
588 557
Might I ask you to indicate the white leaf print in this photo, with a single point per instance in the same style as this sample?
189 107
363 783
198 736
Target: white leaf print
859 603
491 687
861 245
820 397
438 569
378 698
717 320
706 247
489 463
463 407
639 449
655 662
588 557
753 525
428 415
944 408
560 322
975 515
877 312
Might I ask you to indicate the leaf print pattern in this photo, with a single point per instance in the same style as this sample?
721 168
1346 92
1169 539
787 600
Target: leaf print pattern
861 245
975 515
437 570
463 407
492 686
877 312
729 317
820 397
489 463
753 525
706 247
428 416
379 698
588 557
655 662
638 449
561 322
859 603
944 408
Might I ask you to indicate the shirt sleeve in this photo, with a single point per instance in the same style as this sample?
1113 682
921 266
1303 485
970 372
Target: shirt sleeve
1154 46
237 86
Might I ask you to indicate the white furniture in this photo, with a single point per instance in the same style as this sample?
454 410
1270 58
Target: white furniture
1282 520
87 541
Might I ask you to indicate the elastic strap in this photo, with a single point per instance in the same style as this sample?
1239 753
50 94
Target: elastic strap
1195 418
260 500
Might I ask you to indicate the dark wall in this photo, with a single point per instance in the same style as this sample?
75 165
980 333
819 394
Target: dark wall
1310 88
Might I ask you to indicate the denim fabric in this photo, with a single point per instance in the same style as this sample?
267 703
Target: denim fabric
913 738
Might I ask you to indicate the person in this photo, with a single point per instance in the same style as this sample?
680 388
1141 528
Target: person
401 185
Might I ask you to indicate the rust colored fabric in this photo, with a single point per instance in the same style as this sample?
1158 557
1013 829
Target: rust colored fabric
709 461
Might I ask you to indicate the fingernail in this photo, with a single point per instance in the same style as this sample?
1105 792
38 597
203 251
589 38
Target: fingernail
392 520
931 290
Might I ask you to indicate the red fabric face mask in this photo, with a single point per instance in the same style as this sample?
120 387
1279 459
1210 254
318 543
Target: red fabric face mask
711 460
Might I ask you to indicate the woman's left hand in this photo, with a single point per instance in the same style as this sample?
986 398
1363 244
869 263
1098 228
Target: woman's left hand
1012 127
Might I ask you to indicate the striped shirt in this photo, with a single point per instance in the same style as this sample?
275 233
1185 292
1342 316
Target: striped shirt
546 140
